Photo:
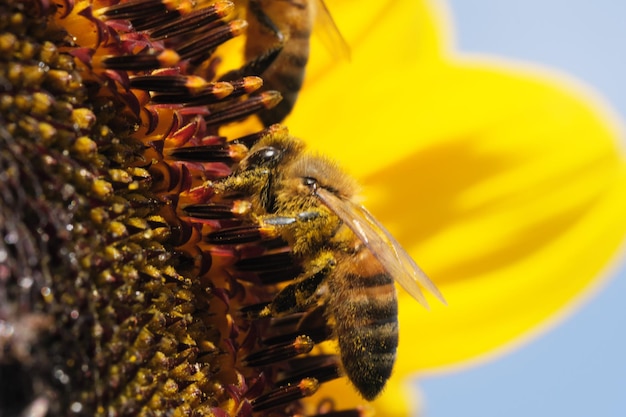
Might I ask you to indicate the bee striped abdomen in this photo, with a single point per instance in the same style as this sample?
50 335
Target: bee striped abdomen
284 26
365 312
287 76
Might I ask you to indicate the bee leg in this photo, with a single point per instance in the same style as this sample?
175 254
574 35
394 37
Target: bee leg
300 295
265 21
245 182
305 216
255 67
295 297
261 63
315 325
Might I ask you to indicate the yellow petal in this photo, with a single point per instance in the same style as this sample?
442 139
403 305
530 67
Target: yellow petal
504 181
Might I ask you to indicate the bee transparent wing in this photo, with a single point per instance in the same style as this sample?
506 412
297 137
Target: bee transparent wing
413 270
383 245
327 31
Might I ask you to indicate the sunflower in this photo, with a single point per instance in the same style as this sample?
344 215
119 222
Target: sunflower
118 295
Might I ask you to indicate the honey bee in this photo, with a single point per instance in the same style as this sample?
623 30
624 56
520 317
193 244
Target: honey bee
277 46
350 260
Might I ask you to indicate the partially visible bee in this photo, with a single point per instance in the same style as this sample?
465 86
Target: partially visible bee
277 46
350 260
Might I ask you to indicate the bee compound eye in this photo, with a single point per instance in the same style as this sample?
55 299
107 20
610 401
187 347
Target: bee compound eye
309 182
265 156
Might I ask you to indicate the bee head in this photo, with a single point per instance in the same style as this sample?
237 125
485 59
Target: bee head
314 172
272 150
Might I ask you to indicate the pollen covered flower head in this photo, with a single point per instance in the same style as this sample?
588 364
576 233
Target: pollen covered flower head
118 296
141 278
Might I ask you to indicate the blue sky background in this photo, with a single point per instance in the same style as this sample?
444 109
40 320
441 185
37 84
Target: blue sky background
579 368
